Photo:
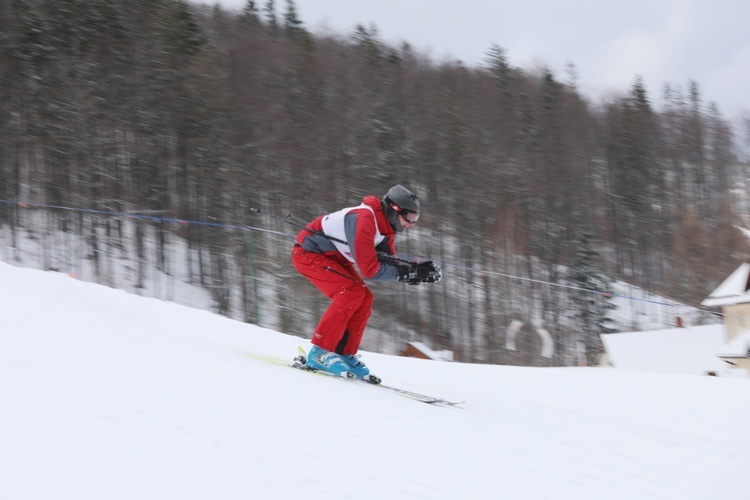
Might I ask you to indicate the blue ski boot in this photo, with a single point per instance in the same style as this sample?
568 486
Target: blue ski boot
356 366
320 359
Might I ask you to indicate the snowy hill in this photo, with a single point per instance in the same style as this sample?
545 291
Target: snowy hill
104 394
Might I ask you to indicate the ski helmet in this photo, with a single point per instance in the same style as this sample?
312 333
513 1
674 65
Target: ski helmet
399 200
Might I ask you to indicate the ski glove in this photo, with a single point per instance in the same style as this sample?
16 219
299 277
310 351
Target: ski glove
417 273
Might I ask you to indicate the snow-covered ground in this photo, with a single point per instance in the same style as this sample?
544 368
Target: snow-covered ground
691 350
104 394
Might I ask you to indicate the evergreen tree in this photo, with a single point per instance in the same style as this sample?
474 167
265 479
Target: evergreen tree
631 152
497 64
249 19
292 22
591 304
367 40
271 14
250 11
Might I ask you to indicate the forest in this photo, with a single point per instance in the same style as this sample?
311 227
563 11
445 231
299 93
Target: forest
186 117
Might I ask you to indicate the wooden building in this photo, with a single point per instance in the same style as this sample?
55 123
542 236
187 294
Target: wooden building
733 297
422 351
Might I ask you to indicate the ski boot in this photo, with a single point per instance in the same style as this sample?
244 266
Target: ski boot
320 359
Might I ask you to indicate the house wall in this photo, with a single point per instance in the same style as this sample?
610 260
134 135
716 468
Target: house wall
743 363
737 320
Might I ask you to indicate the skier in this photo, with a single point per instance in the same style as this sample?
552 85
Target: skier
325 253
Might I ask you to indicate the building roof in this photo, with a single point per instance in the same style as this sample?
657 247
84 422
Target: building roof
734 290
435 355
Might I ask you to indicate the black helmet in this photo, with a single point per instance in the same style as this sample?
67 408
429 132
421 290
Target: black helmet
399 200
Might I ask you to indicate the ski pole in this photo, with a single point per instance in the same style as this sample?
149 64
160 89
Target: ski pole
295 224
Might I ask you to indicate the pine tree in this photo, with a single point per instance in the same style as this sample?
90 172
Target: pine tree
367 40
271 14
250 11
591 304
292 22
631 152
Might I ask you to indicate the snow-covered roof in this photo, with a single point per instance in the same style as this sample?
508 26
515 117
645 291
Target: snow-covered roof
734 290
677 350
435 355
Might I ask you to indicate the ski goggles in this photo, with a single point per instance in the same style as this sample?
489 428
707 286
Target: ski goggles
410 217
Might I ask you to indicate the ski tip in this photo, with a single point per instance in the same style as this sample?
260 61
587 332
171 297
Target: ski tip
452 403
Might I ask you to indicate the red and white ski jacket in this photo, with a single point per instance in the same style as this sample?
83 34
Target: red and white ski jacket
368 237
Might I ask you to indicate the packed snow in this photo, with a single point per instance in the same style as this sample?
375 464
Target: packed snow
105 394
676 350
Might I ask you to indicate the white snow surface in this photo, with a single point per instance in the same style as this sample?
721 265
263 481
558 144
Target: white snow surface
692 350
104 394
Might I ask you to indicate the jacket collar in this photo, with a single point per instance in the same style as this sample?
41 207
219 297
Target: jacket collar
384 226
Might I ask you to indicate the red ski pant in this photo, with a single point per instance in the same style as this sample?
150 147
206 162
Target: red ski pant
342 325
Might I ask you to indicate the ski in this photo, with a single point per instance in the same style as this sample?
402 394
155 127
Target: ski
300 363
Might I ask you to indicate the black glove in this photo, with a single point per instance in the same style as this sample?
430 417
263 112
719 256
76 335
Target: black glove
417 273
407 274
428 272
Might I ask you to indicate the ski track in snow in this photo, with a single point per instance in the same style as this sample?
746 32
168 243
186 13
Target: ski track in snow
104 394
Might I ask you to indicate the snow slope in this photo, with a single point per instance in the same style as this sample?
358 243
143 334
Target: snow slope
104 394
